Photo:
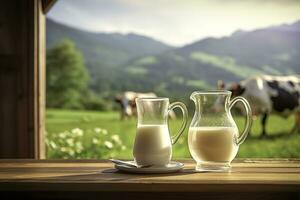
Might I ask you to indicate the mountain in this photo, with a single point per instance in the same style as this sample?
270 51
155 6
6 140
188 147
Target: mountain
119 62
109 48
273 50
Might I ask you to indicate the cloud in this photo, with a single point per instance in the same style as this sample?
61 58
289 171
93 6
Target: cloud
174 21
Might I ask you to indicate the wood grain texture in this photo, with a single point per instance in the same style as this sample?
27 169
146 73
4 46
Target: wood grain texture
90 179
22 67
101 176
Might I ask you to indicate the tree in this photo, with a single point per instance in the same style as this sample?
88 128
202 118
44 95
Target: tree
67 76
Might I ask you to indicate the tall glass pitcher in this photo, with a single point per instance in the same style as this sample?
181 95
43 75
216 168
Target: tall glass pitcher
213 135
153 143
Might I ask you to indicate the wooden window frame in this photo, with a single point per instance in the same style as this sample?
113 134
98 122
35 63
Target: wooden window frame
41 7
22 78
37 79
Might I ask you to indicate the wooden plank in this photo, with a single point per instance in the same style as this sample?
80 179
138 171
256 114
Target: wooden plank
101 176
24 64
151 196
89 179
8 78
7 113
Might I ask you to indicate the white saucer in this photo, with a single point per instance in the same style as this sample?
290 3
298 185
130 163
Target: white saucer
170 168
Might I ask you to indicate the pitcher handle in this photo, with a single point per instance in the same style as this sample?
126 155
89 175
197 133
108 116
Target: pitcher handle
247 107
183 108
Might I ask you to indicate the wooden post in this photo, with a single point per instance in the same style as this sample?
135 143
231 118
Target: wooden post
22 79
41 84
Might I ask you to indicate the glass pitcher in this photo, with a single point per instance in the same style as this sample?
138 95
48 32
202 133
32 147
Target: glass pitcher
213 135
153 144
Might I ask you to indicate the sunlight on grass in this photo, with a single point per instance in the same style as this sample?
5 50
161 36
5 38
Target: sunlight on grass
136 70
279 143
146 60
226 63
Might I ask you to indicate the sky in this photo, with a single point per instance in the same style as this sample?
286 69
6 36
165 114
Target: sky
175 22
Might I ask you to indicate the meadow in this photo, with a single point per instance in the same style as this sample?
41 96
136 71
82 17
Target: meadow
92 134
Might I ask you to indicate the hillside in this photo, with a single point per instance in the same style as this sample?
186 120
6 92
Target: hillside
109 48
274 50
132 62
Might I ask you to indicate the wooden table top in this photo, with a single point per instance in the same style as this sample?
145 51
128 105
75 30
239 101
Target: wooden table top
100 175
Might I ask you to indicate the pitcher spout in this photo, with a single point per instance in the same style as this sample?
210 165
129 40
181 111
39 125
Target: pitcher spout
194 95
214 101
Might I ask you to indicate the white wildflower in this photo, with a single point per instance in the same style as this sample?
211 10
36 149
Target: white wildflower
77 131
78 147
97 130
70 141
62 135
116 139
95 141
108 144
63 149
52 145
104 132
71 152
123 147
78 144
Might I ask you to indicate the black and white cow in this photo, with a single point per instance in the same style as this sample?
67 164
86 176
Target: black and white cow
127 102
267 94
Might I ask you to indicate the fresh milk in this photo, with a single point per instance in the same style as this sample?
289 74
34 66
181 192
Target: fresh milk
152 145
213 144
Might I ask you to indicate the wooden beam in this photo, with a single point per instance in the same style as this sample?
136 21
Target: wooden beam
41 82
47 5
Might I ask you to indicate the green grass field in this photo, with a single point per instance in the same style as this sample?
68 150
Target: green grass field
279 143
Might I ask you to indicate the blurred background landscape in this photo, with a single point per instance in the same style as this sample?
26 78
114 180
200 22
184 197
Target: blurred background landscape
97 50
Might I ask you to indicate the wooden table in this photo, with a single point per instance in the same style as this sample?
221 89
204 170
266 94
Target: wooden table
84 179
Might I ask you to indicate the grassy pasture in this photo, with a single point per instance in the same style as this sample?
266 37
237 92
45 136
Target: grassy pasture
86 124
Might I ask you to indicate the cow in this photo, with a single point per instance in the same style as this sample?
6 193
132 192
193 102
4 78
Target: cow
128 105
269 94
127 102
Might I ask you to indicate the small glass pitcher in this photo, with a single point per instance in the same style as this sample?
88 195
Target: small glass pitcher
213 135
153 144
